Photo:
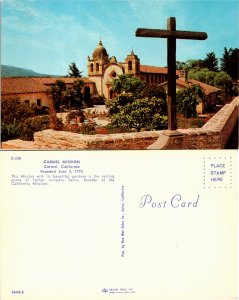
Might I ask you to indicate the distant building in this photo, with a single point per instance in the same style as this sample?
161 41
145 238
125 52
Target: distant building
33 90
28 90
211 92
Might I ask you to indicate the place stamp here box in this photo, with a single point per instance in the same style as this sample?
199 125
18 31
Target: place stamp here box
218 172
119 225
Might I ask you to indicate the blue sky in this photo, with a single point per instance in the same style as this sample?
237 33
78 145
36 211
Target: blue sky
47 35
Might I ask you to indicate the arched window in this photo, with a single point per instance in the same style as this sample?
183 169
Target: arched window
130 65
97 67
113 74
91 67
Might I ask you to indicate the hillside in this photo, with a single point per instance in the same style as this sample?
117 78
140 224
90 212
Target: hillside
10 71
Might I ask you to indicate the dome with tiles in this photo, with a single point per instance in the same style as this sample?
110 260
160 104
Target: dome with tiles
100 52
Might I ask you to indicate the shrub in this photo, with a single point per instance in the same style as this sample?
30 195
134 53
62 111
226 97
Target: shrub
156 91
114 129
9 131
183 122
32 125
159 122
87 129
14 111
188 99
197 123
74 114
83 129
137 105
44 110
138 113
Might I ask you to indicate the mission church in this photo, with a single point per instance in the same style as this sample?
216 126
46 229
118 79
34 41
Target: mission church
102 70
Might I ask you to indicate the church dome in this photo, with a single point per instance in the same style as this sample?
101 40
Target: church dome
100 52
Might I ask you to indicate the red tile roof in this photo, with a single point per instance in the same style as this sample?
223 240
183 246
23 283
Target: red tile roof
153 69
67 80
208 89
19 85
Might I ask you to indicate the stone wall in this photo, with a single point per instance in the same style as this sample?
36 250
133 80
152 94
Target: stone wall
224 121
213 135
50 139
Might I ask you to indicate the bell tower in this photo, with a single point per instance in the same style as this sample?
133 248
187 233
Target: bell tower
132 64
96 66
99 59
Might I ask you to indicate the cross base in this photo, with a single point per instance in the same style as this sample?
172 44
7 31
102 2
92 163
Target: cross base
172 133
168 140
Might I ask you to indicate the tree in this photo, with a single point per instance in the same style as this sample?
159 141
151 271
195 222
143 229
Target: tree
230 62
202 75
211 62
223 81
141 113
74 71
137 106
159 92
126 83
218 79
78 95
193 64
188 99
180 65
56 92
74 95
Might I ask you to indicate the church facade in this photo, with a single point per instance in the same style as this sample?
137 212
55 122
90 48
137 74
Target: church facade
102 70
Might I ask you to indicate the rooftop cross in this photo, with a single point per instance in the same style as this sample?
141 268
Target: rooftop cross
171 34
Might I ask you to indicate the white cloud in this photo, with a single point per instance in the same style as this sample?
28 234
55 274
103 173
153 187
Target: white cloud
48 34
27 20
21 7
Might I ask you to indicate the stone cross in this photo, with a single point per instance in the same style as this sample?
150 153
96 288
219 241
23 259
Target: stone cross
171 34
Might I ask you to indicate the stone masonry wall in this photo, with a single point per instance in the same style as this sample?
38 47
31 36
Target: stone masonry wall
216 132
50 139
213 135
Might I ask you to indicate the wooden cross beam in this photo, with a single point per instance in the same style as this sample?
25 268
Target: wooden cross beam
171 34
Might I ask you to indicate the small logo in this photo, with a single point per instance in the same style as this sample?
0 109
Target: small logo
104 290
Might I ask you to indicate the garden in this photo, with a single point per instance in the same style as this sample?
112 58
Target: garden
136 107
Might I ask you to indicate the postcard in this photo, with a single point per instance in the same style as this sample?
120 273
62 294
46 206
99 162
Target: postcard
119 150
119 225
